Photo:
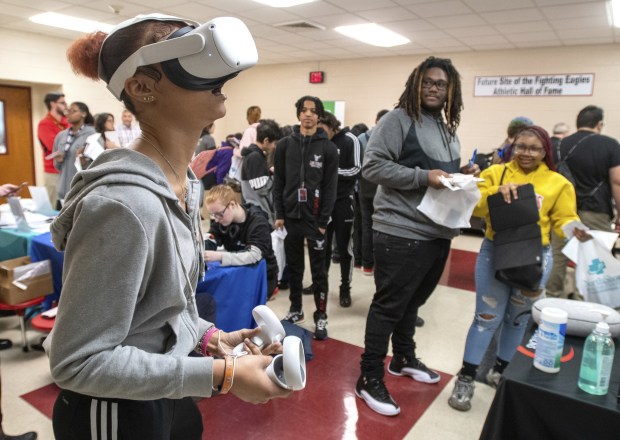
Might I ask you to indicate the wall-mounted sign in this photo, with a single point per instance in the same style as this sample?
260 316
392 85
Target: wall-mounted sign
569 84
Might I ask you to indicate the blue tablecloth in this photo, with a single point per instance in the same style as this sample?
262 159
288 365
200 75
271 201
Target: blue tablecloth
13 243
236 289
41 248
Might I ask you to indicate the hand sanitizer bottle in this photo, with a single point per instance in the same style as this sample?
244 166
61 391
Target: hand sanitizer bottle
598 357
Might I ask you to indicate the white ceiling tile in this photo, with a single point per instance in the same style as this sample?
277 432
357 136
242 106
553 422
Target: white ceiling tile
153 5
497 5
428 35
581 23
542 43
316 9
268 15
408 26
42 5
125 11
571 33
18 11
532 36
332 21
475 41
574 11
582 41
472 31
564 2
515 16
493 46
195 11
361 5
387 14
457 21
526 26
440 8
411 2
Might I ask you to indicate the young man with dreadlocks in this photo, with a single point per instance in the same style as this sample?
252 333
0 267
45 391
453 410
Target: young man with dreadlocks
411 148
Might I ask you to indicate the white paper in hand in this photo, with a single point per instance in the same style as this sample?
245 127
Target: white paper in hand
451 209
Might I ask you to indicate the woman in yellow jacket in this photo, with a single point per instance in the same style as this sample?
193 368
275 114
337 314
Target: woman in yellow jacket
498 304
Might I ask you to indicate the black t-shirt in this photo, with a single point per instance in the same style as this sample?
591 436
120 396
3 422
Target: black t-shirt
590 163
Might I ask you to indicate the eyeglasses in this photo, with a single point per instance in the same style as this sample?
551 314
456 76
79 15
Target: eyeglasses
441 85
220 215
521 148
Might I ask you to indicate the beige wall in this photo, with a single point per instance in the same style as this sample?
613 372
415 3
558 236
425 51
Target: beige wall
366 85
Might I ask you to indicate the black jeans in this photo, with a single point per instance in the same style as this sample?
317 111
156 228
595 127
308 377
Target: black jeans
161 419
406 273
341 226
367 208
297 231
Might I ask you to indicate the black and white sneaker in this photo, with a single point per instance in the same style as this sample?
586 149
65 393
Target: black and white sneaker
294 317
320 319
415 368
376 396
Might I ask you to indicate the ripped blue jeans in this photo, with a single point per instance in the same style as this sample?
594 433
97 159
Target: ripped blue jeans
498 304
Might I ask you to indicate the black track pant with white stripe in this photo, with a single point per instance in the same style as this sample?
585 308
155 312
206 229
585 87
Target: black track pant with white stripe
77 416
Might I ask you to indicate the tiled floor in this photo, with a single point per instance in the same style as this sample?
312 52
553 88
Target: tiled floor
448 314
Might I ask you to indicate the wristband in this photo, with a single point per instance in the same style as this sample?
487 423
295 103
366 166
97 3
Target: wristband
229 374
204 344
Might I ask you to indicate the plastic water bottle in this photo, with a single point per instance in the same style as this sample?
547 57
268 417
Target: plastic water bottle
598 357
550 339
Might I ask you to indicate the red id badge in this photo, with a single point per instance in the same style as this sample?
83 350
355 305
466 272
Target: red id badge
302 195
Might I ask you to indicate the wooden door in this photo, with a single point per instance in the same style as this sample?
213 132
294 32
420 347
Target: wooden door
17 159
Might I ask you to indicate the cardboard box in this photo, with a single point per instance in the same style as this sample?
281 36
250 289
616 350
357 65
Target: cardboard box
21 280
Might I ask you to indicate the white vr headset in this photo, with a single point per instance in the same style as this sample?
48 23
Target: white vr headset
196 57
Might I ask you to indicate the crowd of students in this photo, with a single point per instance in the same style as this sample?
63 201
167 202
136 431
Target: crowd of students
309 182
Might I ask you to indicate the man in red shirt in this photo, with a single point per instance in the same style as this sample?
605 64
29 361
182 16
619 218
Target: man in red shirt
53 123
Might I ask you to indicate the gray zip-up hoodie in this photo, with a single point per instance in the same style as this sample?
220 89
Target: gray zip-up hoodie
398 158
127 318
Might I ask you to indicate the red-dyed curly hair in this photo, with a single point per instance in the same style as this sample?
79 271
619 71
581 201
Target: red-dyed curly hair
86 52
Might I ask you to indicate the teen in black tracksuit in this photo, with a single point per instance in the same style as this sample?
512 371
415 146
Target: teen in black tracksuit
349 168
304 192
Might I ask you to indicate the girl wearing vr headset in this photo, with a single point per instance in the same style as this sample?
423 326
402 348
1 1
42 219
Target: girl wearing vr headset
130 229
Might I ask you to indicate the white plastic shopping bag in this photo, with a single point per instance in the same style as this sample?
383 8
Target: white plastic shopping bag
452 207
598 273
277 242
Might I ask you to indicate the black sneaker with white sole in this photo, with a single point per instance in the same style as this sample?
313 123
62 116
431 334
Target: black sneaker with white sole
376 396
415 368
294 317
320 319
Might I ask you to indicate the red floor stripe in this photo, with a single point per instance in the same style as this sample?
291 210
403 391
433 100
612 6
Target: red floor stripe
460 269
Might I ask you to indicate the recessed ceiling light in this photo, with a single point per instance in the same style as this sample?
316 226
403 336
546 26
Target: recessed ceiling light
372 33
72 23
283 3
613 13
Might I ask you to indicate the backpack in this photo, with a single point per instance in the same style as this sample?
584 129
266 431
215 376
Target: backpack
561 165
